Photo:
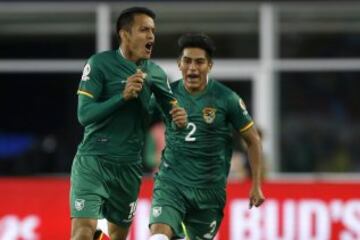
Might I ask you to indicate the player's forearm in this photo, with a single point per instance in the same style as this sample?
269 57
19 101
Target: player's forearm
255 158
90 111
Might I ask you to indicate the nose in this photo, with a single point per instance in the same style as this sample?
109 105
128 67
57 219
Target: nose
192 65
151 35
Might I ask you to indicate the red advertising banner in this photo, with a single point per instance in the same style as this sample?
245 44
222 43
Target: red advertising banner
34 208
37 208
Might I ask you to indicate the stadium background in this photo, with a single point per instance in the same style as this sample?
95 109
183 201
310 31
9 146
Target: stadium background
296 64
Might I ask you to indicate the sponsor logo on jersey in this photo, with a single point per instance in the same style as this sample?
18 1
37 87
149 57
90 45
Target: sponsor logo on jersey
79 204
86 72
156 211
243 106
209 114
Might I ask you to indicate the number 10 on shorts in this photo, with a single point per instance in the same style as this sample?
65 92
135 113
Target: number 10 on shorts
132 210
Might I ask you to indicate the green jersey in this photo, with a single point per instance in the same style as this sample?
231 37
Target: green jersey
200 154
116 128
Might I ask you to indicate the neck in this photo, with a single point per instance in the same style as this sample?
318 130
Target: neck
127 54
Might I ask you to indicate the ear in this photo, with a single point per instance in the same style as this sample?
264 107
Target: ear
179 62
210 65
124 35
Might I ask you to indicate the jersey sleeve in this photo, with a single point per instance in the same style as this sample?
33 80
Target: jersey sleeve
91 80
90 108
163 93
237 113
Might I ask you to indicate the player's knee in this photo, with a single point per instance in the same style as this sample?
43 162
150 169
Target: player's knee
84 232
160 231
159 236
118 236
160 228
117 232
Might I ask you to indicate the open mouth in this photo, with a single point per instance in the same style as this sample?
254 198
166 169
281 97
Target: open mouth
193 77
149 46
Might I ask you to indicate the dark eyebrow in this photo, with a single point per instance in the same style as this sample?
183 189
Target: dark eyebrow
196 59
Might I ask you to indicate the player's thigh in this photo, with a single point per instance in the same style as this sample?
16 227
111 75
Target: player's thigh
83 228
204 223
88 191
123 187
167 207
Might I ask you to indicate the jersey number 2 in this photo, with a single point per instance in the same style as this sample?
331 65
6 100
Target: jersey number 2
189 137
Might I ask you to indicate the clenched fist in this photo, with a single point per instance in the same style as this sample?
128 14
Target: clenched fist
134 85
256 197
179 116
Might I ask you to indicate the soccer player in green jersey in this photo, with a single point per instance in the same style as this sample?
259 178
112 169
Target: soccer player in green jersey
113 104
190 185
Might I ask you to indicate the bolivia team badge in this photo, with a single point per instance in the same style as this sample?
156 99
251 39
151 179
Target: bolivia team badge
79 204
156 211
209 114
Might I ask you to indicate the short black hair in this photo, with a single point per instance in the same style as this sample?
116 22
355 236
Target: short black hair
126 17
197 40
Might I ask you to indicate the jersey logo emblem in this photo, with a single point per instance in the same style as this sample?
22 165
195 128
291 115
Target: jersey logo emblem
79 204
243 106
156 211
209 114
86 72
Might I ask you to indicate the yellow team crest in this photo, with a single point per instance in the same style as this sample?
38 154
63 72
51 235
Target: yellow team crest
209 114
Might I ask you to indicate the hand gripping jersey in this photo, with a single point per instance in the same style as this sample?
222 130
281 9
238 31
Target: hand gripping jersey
199 156
115 128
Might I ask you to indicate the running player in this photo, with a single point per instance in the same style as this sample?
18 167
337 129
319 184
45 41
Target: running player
190 186
113 104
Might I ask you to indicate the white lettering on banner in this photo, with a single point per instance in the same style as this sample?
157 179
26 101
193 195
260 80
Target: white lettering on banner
316 210
310 219
351 220
244 225
271 227
14 228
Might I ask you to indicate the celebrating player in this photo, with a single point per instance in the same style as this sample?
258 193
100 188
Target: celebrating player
190 186
113 102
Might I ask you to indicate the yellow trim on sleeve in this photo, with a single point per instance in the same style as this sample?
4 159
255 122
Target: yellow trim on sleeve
247 127
85 93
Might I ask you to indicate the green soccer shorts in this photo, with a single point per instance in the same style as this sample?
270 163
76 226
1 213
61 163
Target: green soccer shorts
200 209
103 189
